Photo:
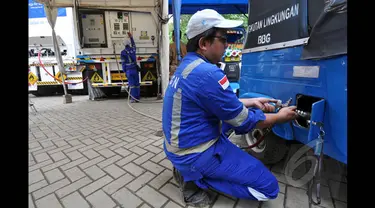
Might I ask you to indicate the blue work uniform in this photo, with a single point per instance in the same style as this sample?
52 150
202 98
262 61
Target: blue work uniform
197 100
128 59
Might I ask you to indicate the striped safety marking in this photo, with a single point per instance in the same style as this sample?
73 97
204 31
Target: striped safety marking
147 83
74 78
53 64
82 68
108 58
47 83
98 59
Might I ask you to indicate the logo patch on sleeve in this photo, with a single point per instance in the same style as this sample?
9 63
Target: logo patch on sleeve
224 83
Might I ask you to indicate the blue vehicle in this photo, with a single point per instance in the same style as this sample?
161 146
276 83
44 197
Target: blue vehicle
298 49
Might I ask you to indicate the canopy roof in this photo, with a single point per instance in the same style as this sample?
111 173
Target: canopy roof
221 6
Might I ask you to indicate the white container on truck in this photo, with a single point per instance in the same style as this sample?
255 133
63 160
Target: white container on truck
45 79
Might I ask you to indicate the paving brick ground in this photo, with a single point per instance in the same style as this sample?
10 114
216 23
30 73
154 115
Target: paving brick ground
102 154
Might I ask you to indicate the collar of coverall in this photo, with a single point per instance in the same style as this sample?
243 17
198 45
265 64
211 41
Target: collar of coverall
199 55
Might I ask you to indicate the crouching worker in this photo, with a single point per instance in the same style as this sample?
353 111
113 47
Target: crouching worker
197 99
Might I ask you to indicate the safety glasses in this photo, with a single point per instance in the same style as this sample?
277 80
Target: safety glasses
222 39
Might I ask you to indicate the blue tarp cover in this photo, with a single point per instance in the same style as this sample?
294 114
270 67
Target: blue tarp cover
36 10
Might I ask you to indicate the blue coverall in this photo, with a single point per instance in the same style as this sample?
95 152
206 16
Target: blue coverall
128 58
197 100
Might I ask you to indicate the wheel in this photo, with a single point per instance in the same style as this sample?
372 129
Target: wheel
85 90
270 151
35 93
111 91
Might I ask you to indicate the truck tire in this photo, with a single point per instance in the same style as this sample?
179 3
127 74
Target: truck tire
35 93
85 90
270 151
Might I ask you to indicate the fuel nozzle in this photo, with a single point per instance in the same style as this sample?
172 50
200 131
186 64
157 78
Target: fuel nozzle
287 103
279 104
303 114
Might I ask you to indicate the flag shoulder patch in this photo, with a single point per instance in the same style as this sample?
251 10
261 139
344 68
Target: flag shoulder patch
224 83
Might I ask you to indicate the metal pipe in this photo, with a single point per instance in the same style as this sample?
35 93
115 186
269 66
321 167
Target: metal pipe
104 72
109 74
164 59
59 60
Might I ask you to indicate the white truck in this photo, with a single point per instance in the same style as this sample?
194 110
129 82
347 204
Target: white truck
44 77
97 30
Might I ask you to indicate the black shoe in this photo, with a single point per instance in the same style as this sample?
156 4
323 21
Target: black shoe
177 176
191 194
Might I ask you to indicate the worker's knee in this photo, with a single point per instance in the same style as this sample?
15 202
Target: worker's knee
269 191
273 188
274 194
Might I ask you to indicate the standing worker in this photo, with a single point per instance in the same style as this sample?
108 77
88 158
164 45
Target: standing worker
130 67
198 98
173 61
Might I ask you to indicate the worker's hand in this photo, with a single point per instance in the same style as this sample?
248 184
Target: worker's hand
268 108
130 35
261 103
287 114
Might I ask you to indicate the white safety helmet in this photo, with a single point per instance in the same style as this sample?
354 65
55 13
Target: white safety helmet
127 42
206 19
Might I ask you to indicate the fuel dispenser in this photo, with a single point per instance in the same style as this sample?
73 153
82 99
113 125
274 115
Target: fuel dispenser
149 73
231 60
